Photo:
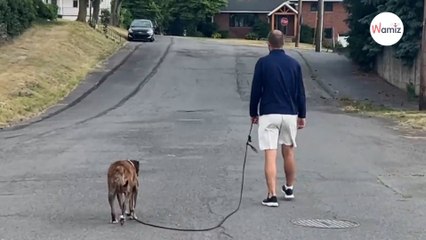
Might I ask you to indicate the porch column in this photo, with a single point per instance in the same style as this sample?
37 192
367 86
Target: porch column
273 22
295 25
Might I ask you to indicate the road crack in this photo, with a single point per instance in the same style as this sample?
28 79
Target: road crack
392 188
224 233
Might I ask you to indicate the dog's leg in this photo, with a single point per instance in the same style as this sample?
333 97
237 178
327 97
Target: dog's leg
111 197
122 204
129 213
134 200
126 202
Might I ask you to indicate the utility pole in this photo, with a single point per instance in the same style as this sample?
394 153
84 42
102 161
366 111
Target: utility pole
422 95
299 23
320 25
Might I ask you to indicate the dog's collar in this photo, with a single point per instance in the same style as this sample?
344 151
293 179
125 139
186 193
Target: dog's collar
131 163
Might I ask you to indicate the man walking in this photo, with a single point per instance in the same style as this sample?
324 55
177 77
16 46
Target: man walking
278 91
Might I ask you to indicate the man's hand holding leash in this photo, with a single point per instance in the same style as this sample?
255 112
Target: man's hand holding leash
255 120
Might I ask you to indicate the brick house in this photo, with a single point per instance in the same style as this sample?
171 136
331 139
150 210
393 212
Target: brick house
240 15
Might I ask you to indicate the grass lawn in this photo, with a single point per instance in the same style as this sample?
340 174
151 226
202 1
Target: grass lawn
45 64
407 119
121 31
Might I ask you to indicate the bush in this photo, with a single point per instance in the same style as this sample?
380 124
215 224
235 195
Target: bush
327 43
306 34
252 36
216 35
197 34
207 28
261 28
53 9
105 17
125 18
338 45
3 33
224 34
42 10
16 16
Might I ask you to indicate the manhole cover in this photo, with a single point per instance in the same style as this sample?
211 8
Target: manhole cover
325 223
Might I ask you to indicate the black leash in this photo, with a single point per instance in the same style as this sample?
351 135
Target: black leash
248 144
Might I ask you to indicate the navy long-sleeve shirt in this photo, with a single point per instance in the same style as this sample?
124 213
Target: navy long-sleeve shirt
277 86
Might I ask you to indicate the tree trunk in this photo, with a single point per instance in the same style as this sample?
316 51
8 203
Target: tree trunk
115 12
320 25
82 10
96 9
422 95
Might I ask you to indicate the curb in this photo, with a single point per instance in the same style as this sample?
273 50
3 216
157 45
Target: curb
90 83
330 91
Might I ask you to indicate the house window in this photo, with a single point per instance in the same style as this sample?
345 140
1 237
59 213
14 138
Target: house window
328 33
75 3
328 6
242 20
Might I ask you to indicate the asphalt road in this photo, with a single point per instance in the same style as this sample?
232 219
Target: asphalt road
180 106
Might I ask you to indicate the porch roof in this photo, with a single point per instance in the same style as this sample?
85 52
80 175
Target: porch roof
284 4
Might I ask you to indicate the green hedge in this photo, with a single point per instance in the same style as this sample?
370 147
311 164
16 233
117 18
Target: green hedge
307 34
261 28
19 15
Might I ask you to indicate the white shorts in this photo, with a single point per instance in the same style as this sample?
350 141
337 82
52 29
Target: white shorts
277 129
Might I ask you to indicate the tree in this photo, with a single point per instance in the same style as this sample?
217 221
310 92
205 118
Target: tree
189 13
175 15
411 14
362 49
142 8
155 10
422 95
96 10
82 10
115 12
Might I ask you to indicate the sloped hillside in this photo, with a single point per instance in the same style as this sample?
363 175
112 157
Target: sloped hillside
43 65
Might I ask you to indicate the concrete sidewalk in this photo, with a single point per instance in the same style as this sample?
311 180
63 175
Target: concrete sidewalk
341 79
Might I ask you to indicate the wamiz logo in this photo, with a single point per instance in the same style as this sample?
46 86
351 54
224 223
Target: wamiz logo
386 29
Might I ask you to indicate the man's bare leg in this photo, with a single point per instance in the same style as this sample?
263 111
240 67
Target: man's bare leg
289 168
271 171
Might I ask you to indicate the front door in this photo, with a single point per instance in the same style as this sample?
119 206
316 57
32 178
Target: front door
287 30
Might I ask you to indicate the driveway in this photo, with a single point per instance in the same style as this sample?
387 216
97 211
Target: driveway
180 106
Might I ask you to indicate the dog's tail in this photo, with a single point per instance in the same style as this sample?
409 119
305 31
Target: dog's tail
120 179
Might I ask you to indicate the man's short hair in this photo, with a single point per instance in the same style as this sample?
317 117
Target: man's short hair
276 39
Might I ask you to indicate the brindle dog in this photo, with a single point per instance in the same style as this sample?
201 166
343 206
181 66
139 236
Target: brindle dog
123 182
